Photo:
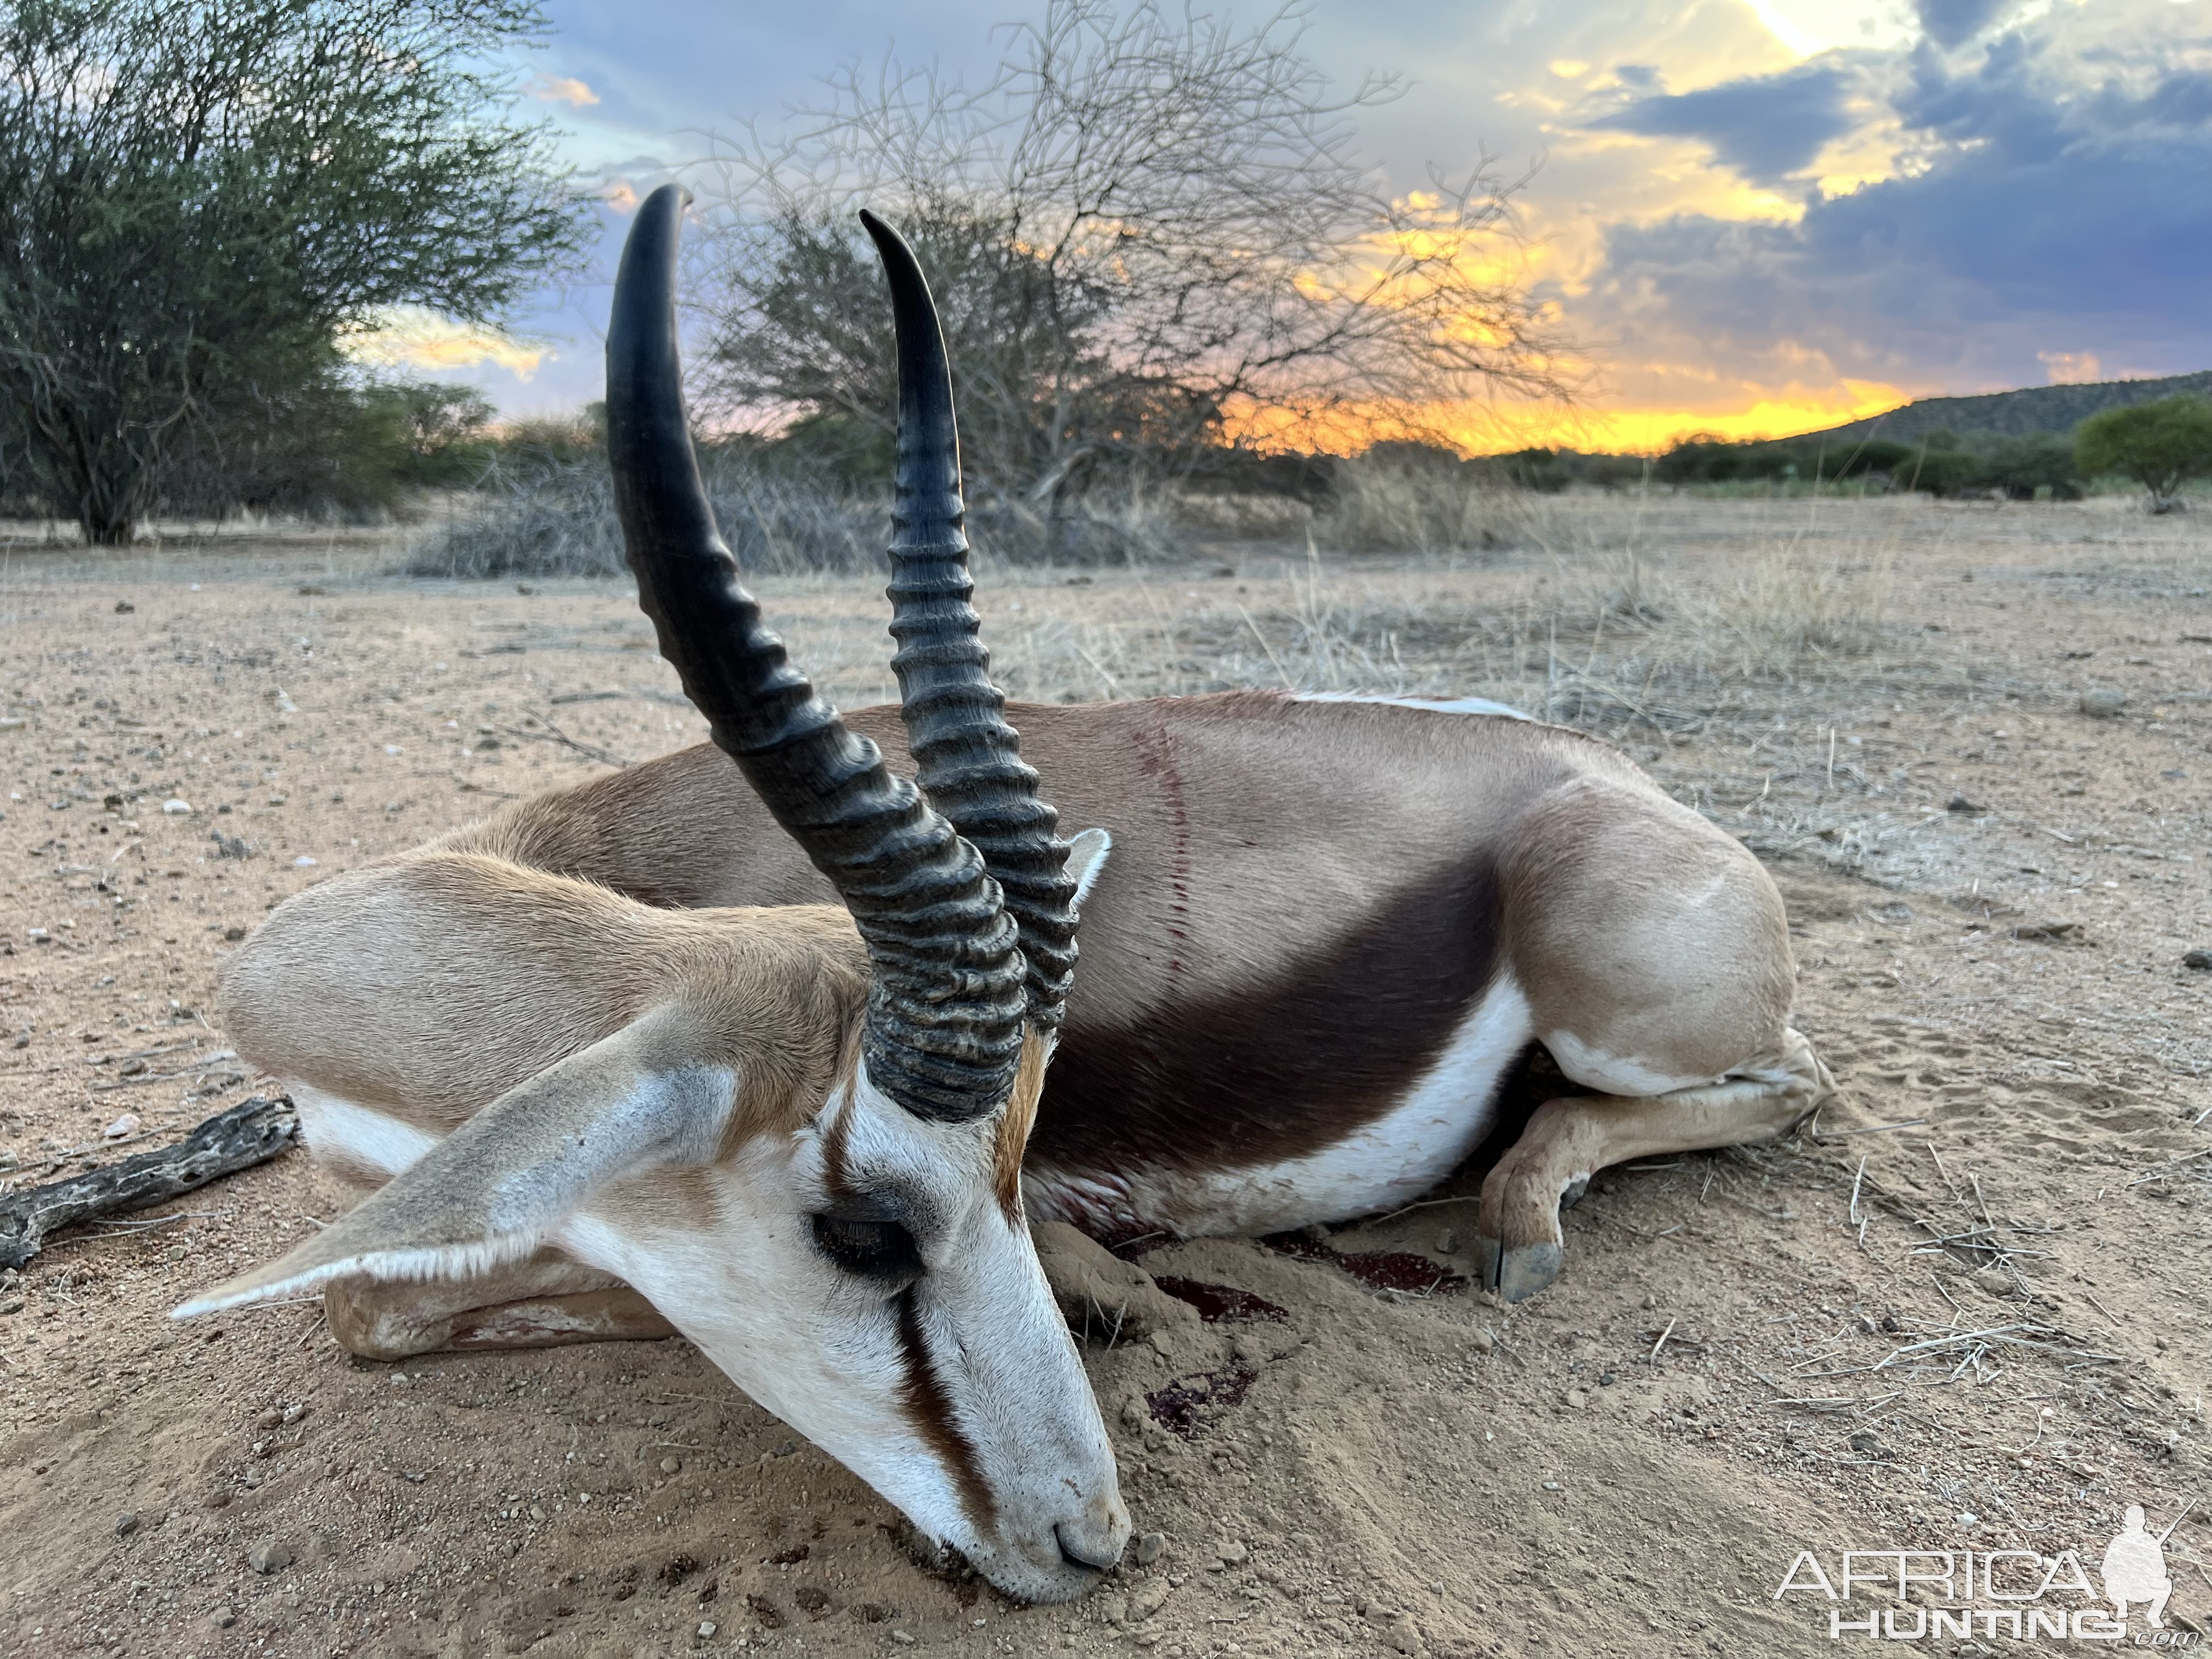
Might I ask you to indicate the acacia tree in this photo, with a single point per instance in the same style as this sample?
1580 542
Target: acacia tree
199 198
1148 233
2160 445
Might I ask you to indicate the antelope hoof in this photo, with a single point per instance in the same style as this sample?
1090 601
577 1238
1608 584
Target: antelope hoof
1515 1272
1525 1269
1486 1263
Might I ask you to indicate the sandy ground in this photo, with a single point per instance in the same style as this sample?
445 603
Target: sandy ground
1969 1313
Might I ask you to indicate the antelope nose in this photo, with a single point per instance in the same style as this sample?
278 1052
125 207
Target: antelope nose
1094 1540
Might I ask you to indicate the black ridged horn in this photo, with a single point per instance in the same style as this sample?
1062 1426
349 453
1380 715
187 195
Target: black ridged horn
943 1031
967 760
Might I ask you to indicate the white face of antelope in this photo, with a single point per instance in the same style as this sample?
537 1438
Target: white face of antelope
870 1280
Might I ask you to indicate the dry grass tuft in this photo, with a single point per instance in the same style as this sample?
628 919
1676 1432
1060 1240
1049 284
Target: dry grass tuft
1389 503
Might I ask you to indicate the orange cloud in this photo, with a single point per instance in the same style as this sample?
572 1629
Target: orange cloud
2070 367
413 337
560 90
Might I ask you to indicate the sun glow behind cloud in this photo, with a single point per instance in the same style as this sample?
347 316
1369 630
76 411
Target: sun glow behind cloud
1501 427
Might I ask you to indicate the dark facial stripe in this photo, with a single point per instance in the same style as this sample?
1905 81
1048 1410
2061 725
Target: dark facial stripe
931 1412
1292 1067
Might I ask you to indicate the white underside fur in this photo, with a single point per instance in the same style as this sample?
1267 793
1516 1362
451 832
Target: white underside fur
1390 1161
1431 705
336 1128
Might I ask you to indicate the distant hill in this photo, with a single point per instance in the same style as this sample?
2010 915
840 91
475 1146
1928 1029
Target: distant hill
2012 414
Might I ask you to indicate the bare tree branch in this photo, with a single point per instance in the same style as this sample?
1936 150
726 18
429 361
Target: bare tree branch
1149 232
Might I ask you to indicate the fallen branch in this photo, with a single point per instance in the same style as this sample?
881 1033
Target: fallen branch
252 1132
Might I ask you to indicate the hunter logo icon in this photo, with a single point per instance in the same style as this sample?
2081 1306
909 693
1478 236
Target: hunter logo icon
2135 1567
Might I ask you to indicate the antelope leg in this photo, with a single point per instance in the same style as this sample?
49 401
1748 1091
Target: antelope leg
1519 1243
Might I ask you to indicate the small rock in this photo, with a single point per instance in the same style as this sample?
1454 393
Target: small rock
269 1556
671 1466
1607 1379
1484 1342
270 1418
1314 1233
1554 1485
706 1628
122 1128
1150 1545
124 607
2197 959
12 1304
902 1638
2101 702
176 808
303 862
1868 1444
1148 1599
1448 1242
224 1618
400 1379
126 1523
1960 803
1578 1399
1232 1553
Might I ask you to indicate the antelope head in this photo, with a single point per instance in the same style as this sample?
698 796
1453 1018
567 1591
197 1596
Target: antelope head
850 1248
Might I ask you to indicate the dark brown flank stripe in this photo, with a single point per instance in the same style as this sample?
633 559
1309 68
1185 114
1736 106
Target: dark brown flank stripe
932 1412
1290 1069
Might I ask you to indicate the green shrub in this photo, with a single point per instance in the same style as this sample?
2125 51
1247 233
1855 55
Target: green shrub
2160 445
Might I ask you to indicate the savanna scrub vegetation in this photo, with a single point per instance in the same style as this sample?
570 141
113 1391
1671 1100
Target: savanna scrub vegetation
1179 302
200 201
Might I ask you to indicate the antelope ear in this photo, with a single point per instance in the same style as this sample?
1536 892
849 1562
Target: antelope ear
1086 856
490 1192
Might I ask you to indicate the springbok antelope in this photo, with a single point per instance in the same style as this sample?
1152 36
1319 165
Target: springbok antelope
622 1071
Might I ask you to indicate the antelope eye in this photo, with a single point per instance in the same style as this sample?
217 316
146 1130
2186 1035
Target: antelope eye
873 1249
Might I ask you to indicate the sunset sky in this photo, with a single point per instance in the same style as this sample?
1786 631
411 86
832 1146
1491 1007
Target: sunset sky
1758 216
